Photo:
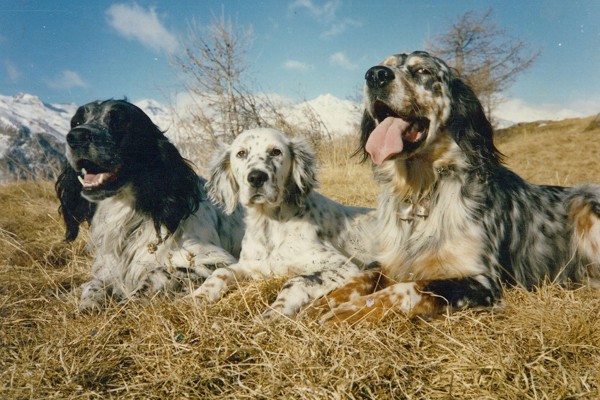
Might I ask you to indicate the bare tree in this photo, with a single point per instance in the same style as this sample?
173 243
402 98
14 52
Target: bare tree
214 62
485 54
216 74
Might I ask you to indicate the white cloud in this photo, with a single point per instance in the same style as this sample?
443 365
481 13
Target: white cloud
297 65
66 80
340 27
340 59
134 22
325 13
517 110
12 72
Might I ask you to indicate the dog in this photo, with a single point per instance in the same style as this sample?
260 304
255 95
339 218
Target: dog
456 225
152 226
290 228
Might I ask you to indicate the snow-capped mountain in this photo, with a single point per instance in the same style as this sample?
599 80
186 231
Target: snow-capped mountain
26 110
31 136
339 117
32 133
160 114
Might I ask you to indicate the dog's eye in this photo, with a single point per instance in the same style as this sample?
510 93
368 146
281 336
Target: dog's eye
78 117
423 71
275 152
241 154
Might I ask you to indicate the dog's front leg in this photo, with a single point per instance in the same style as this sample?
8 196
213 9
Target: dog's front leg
333 271
197 261
361 284
422 298
221 280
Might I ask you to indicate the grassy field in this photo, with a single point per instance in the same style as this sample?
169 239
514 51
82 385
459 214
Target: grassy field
539 345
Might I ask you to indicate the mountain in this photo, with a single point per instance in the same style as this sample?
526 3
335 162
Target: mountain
161 115
31 136
26 110
32 133
339 117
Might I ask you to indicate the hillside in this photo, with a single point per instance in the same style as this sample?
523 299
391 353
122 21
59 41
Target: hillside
553 152
540 345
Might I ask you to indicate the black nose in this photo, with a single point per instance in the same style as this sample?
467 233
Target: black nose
379 76
256 178
79 137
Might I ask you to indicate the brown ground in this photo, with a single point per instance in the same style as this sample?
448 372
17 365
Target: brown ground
540 345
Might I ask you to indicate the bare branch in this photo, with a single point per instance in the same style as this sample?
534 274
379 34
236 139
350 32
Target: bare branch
486 55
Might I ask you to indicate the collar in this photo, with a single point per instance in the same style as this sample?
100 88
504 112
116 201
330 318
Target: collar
408 209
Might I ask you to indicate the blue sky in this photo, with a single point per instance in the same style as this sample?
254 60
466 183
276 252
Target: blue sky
82 50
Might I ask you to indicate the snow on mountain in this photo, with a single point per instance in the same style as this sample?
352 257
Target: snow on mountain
335 116
32 133
340 117
161 115
32 136
26 110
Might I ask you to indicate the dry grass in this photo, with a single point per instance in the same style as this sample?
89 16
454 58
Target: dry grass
544 344
557 153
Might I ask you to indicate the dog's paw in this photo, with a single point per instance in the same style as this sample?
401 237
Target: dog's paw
210 292
89 305
93 297
214 287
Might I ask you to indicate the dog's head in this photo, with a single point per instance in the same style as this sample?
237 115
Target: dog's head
262 167
112 145
106 144
412 101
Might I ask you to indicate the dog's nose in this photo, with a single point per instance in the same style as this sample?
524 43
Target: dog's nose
256 178
79 137
379 76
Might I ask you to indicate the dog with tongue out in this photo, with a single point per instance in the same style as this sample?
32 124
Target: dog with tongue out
455 225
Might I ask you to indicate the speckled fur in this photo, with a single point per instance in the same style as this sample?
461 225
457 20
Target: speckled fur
486 226
152 226
291 229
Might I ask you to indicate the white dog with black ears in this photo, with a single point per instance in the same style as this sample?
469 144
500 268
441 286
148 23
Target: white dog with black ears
290 228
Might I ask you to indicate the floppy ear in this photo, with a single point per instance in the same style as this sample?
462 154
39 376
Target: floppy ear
221 185
73 207
170 189
470 127
367 124
303 175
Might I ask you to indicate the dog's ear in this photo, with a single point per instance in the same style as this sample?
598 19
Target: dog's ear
367 125
170 190
73 207
221 185
304 170
469 125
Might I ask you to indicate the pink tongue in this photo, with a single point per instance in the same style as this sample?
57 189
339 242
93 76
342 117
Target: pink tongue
386 139
93 178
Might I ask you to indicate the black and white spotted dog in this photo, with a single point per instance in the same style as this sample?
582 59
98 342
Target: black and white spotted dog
153 228
290 228
455 223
